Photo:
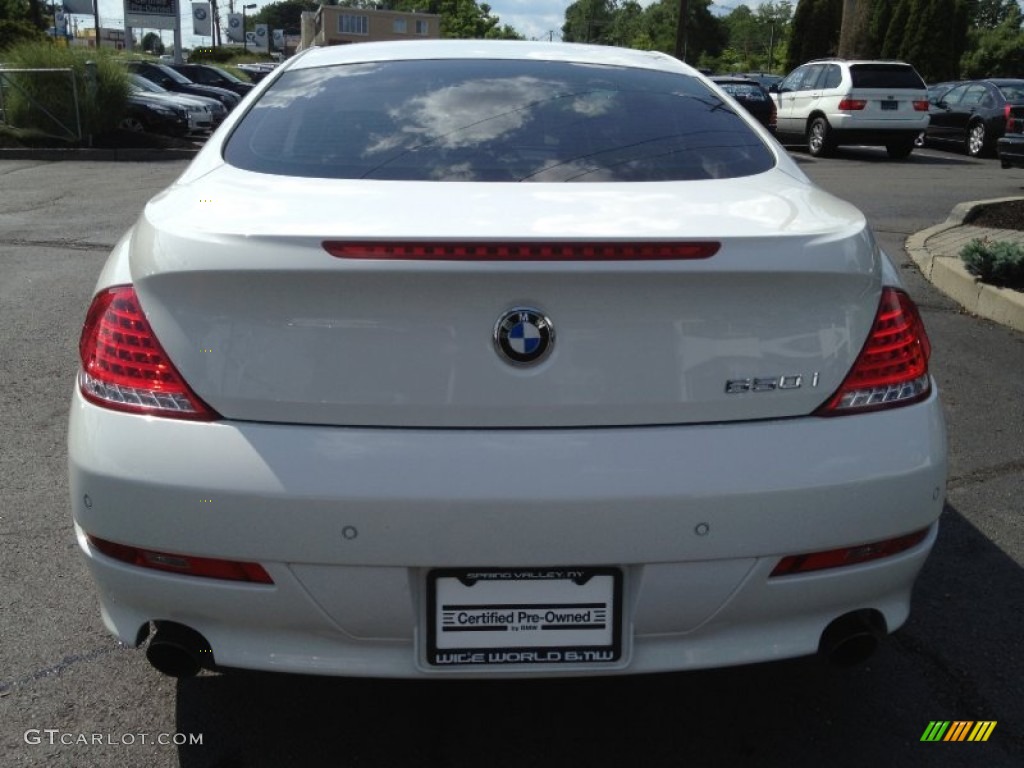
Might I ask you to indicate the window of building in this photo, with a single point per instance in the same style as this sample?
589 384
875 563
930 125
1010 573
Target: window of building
398 26
350 24
422 28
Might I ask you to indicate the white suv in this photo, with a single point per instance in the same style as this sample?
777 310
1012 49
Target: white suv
829 102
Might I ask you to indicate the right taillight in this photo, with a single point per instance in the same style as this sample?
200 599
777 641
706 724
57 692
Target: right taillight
125 368
892 368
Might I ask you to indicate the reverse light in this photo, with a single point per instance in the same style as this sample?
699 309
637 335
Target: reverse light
838 558
892 368
431 251
125 368
852 105
185 565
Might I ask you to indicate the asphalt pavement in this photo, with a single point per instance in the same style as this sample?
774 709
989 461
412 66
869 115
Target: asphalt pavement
63 678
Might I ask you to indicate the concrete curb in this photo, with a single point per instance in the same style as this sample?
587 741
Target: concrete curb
947 273
99 155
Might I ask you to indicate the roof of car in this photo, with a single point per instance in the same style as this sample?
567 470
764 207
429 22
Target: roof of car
840 60
486 49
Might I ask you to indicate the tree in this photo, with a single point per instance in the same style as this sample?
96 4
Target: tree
854 35
589 21
151 43
284 14
996 52
990 14
815 31
755 38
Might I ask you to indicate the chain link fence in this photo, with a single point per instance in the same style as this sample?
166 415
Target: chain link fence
43 100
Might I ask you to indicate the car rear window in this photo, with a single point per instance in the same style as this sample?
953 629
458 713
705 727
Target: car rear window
745 91
1013 93
494 120
885 76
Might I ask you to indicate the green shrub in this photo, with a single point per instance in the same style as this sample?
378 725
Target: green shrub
31 96
210 55
998 263
13 32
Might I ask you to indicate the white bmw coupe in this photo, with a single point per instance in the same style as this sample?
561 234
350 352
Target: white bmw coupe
481 358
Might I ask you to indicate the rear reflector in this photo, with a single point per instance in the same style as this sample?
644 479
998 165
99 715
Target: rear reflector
522 251
892 368
838 558
125 368
185 565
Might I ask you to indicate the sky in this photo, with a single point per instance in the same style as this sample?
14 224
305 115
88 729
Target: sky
535 19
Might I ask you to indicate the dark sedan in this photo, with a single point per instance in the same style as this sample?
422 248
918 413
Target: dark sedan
206 74
751 95
973 114
146 114
164 76
1010 147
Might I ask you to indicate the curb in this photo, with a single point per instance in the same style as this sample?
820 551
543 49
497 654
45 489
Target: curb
947 273
101 155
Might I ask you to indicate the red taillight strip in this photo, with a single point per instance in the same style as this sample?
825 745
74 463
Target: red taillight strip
525 251
184 565
892 368
125 368
838 558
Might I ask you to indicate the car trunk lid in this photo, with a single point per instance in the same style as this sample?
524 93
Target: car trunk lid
266 324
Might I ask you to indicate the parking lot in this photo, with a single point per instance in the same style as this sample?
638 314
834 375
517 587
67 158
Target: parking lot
71 696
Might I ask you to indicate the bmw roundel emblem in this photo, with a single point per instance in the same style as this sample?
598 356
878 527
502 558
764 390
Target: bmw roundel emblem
524 336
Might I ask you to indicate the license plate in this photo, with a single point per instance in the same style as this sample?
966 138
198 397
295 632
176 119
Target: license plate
887 104
531 616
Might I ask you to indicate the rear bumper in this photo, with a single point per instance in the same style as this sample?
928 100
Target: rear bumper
1010 150
348 522
841 134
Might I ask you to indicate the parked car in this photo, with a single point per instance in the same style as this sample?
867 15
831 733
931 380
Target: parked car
828 103
477 358
145 114
972 115
257 70
763 78
937 90
214 107
206 74
1010 146
164 76
751 95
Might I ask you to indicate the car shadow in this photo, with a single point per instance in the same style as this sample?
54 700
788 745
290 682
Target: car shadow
800 712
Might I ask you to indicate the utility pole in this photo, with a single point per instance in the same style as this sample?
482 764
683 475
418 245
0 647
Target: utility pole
684 12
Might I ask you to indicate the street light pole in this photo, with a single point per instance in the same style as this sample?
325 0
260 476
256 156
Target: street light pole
245 35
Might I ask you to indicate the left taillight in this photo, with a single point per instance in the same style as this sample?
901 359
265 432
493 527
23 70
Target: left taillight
125 368
892 368
852 105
